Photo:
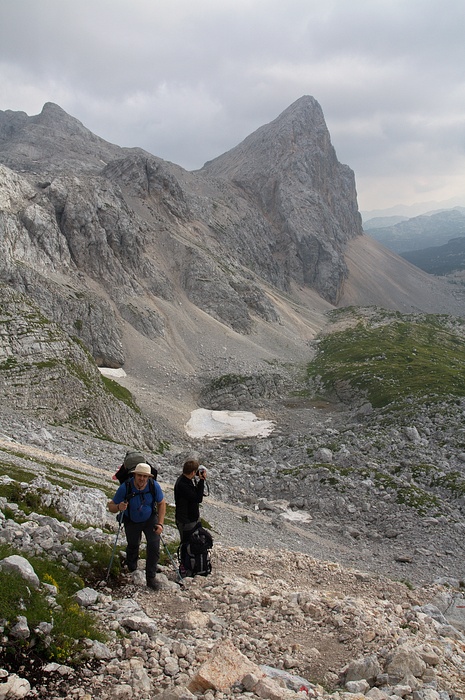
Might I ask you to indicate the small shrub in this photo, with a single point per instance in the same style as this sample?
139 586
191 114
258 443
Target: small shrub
97 557
71 625
28 501
18 598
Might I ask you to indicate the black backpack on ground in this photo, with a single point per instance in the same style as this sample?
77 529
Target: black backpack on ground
194 554
131 460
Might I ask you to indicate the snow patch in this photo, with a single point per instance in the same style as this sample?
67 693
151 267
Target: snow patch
204 423
110 372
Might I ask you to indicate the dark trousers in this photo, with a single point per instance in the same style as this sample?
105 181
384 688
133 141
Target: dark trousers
134 536
185 529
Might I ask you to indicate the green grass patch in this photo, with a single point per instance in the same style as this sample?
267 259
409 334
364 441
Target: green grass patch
228 381
58 474
163 446
9 363
169 517
393 359
418 499
17 597
167 559
120 392
97 558
27 501
418 471
454 482
412 496
71 624
15 472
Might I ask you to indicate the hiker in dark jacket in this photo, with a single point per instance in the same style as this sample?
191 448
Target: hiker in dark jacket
143 507
188 494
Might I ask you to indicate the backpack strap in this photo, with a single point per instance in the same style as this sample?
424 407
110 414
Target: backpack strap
128 496
152 491
130 493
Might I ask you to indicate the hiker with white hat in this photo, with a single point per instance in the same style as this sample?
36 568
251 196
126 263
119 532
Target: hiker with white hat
140 503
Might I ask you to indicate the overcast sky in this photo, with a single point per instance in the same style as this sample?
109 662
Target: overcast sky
189 79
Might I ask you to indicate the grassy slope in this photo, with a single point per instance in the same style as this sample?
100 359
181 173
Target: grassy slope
387 357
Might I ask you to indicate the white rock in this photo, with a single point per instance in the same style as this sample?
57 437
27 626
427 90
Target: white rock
21 566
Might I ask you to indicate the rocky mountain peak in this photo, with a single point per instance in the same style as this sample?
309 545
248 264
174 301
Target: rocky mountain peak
51 142
55 122
291 171
53 113
290 138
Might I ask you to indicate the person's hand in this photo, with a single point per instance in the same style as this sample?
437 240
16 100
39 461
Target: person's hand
202 473
158 528
122 506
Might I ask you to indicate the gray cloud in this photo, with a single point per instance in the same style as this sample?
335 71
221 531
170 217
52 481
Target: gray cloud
189 80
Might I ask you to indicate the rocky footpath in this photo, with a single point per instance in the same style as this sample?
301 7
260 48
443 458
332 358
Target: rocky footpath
322 585
283 624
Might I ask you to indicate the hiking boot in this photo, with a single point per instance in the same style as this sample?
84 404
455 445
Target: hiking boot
129 567
154 584
183 572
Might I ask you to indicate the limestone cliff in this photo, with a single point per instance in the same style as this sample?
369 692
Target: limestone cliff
290 170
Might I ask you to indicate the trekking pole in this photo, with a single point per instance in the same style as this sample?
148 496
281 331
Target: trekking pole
120 519
176 568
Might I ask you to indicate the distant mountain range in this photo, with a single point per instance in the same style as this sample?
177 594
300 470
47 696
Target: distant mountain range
408 211
440 260
433 242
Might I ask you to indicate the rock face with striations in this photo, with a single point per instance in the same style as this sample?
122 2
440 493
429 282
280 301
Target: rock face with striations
99 235
290 169
46 373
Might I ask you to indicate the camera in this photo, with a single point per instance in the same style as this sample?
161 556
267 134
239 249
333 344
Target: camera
201 470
